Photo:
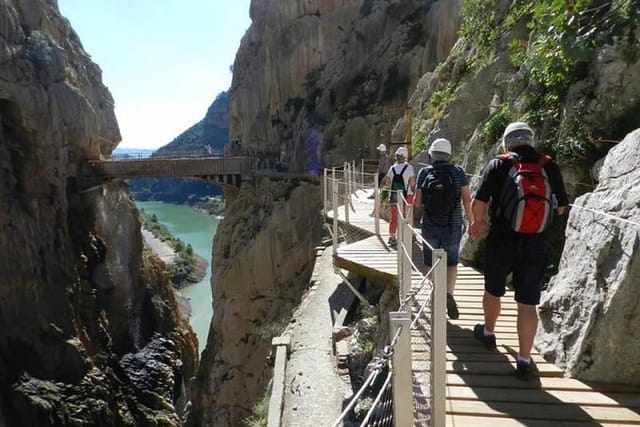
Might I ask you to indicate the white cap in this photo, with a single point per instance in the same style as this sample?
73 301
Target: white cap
441 145
382 148
522 135
402 152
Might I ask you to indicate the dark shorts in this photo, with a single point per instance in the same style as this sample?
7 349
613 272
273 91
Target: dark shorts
447 238
524 256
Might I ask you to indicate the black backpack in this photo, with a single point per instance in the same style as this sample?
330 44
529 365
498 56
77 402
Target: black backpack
397 184
439 194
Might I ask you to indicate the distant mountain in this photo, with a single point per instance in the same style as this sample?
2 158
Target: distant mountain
212 130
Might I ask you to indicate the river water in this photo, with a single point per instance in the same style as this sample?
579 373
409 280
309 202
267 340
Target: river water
196 228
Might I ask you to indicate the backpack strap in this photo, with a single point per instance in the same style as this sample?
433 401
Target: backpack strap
401 172
544 159
424 171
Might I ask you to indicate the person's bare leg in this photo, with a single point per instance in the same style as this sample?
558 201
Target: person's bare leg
527 326
491 306
452 275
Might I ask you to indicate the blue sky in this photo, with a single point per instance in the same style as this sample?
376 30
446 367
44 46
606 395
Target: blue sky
164 61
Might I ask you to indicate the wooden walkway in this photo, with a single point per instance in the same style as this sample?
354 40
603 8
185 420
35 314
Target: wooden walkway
482 389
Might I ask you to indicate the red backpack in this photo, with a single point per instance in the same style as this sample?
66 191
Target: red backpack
526 199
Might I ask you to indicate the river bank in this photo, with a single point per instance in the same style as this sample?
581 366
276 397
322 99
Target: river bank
196 228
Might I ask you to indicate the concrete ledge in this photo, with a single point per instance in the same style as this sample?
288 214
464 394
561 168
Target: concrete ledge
281 347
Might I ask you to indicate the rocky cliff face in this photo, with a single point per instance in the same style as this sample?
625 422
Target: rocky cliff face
89 330
263 257
590 317
323 80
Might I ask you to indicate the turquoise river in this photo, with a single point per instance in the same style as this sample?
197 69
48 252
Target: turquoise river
196 228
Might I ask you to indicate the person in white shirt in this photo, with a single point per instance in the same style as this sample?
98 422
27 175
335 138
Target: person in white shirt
401 177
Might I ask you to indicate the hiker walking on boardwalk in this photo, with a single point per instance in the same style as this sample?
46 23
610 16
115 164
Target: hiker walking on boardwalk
401 177
440 188
384 163
524 188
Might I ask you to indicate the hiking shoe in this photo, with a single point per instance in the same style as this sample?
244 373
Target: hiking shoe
452 307
526 371
489 341
392 242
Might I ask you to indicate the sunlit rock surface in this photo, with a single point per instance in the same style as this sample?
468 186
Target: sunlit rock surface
590 316
263 257
80 308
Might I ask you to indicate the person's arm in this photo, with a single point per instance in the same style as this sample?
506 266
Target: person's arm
465 195
557 186
478 224
412 184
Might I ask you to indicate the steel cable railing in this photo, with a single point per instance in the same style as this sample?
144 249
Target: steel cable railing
394 402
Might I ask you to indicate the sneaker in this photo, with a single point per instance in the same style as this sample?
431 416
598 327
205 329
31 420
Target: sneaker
452 307
489 341
526 371
392 242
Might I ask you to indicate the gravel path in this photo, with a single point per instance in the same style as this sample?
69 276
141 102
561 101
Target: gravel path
314 391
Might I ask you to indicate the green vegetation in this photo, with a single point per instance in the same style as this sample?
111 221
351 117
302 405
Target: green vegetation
494 126
260 414
271 329
185 266
551 42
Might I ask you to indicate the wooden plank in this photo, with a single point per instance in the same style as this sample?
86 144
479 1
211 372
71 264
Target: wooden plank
585 413
547 383
473 421
486 356
574 397
493 368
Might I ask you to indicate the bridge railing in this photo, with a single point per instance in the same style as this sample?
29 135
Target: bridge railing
171 167
422 297
340 184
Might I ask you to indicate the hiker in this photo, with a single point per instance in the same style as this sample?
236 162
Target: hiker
518 237
440 188
401 177
384 163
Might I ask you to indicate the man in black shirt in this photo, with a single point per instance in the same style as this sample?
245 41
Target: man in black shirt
511 251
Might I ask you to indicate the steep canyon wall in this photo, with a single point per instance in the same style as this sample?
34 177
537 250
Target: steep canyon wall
323 80
90 333
263 257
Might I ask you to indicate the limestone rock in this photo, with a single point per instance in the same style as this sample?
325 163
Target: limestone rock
343 69
76 295
263 257
590 316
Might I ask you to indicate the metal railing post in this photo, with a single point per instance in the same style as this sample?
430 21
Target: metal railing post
324 190
407 242
347 195
402 384
376 206
439 339
334 202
